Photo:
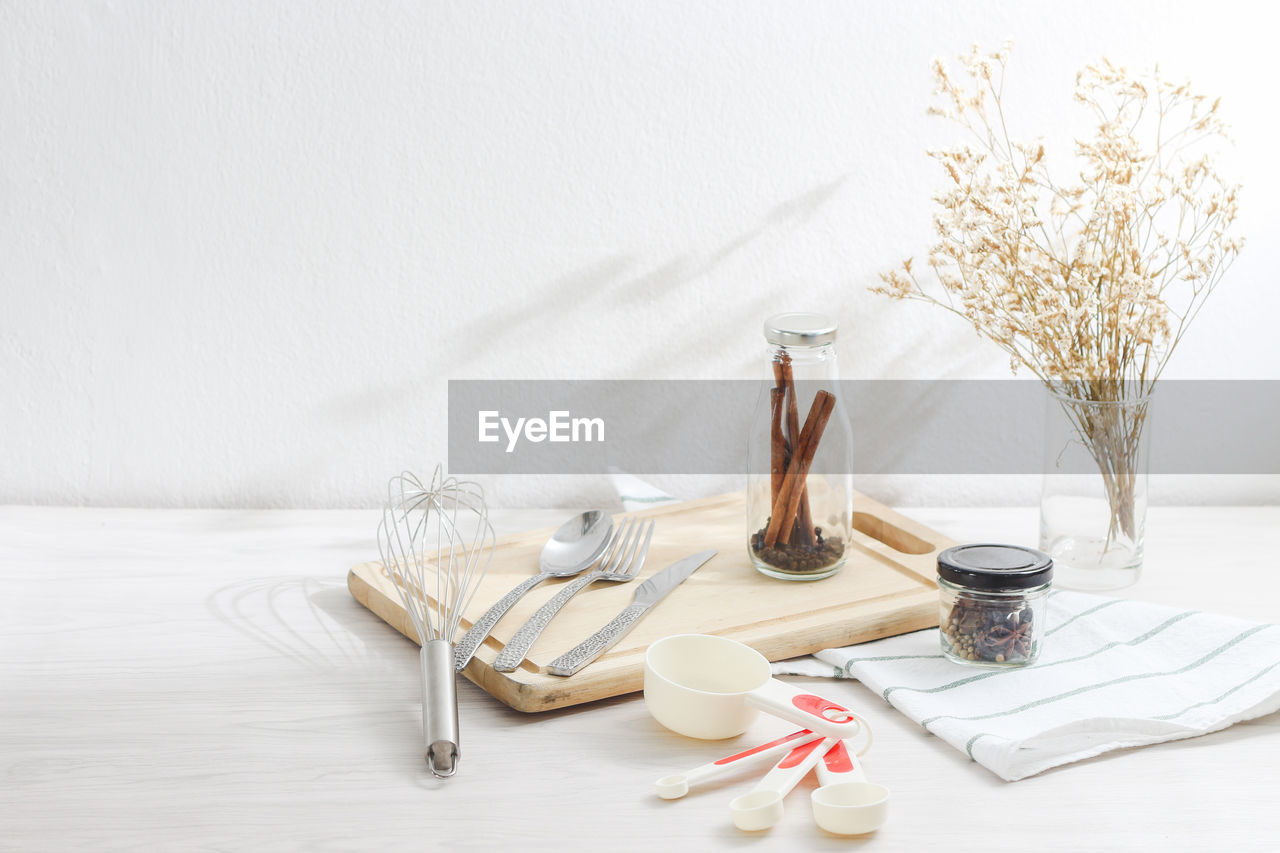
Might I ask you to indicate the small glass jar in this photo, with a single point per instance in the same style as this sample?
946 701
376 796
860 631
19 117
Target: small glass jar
992 603
800 450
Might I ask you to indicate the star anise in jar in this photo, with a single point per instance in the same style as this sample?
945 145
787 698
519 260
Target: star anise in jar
1006 642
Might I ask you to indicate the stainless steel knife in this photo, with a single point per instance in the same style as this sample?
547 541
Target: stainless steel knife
650 593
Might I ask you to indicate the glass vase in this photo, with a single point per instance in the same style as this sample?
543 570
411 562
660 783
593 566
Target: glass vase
1093 499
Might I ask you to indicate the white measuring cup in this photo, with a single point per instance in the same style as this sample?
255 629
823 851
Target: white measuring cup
710 687
762 808
846 803
675 786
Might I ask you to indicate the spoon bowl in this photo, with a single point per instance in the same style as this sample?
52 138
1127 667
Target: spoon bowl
576 544
762 807
845 803
850 808
757 810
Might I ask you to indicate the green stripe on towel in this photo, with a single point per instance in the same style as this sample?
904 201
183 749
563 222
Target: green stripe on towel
1239 686
1088 612
852 661
968 747
1240 638
1136 641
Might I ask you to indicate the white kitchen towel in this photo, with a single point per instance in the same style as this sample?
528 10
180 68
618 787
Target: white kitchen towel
636 494
1112 673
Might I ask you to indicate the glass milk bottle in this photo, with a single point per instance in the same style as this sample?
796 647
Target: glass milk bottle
800 482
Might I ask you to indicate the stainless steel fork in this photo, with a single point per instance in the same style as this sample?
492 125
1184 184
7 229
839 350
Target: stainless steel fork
621 562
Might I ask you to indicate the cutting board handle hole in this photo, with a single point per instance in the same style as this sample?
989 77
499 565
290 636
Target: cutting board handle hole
895 537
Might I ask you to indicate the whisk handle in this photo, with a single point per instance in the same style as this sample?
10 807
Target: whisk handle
439 708
480 630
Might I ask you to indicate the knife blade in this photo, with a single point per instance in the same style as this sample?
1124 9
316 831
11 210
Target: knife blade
650 593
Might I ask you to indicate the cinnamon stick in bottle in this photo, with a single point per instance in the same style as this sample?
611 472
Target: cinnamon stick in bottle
788 502
777 445
801 532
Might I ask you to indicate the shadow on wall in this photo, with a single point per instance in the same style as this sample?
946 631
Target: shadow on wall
615 283
612 282
606 282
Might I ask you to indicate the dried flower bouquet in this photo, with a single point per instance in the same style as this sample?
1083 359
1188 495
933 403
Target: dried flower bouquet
1089 283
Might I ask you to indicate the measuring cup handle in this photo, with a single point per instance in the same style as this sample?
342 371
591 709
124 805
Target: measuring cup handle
804 708
839 765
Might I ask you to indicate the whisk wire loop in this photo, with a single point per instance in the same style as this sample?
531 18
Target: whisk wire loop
455 512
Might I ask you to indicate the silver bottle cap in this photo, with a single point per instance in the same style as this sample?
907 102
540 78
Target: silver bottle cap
800 330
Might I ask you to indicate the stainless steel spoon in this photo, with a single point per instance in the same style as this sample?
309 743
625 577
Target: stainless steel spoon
572 548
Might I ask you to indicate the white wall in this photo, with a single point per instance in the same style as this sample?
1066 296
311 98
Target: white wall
243 245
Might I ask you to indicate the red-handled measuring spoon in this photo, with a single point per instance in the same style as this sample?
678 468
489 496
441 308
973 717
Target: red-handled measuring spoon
846 803
762 808
677 785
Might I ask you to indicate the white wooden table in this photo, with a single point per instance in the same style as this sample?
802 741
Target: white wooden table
172 680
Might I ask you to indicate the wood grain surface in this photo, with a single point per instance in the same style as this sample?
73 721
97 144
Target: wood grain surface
886 587
176 680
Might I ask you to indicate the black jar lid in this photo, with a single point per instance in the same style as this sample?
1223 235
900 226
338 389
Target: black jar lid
995 567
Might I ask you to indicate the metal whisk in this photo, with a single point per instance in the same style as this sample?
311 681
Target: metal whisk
436 591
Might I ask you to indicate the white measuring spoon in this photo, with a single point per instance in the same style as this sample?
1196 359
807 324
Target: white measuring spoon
846 803
677 785
762 808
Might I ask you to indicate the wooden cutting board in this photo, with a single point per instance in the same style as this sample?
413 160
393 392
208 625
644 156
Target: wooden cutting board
887 587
